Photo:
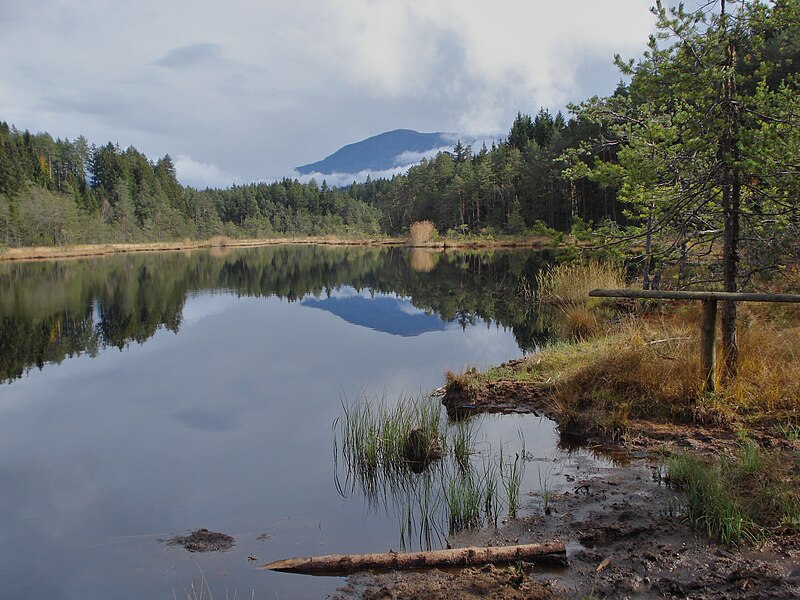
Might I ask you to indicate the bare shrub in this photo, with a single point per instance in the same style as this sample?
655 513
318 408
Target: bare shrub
218 241
421 233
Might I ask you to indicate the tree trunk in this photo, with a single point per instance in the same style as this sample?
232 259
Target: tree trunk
648 250
731 202
551 553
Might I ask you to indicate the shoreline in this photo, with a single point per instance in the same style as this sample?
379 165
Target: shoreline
38 253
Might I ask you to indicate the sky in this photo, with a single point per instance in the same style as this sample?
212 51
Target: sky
240 91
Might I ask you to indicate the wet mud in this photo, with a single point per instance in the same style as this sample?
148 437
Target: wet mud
623 525
203 540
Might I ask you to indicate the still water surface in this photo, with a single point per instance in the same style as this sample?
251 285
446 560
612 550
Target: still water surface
145 396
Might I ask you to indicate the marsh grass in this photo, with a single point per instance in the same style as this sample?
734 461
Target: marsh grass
461 442
511 474
710 507
492 504
374 436
570 284
464 493
203 591
741 497
544 491
466 488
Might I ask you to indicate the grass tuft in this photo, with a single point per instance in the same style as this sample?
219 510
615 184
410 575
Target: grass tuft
465 489
741 497
511 474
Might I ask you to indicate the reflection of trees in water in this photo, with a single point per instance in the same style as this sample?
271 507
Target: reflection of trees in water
52 310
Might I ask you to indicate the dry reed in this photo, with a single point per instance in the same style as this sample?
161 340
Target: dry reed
421 232
570 284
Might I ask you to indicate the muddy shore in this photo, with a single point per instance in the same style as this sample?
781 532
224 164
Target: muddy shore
622 524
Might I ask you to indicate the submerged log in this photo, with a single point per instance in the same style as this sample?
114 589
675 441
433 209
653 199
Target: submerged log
549 553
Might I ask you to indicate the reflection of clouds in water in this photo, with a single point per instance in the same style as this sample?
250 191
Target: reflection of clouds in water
490 344
203 305
405 306
211 420
537 433
344 291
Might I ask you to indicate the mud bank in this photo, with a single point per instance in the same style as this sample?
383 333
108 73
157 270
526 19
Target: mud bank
623 525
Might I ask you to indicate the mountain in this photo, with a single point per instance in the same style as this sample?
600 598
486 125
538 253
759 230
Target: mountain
398 148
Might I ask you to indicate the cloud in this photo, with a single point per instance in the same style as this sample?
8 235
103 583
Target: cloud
252 89
202 175
192 55
483 57
404 159
345 179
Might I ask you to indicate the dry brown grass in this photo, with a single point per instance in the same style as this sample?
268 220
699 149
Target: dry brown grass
653 372
767 383
571 283
648 367
577 323
421 232
644 371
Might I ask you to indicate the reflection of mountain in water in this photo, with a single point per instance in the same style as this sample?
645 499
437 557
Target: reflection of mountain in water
52 310
388 314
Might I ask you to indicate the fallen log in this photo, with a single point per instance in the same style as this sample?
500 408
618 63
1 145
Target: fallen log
549 553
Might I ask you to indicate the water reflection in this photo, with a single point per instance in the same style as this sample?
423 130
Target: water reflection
53 310
200 393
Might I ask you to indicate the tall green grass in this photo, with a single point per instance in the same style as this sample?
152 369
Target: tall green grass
741 497
511 474
374 435
710 506
467 488
464 494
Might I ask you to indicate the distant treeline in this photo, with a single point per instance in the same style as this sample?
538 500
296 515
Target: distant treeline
705 135
56 192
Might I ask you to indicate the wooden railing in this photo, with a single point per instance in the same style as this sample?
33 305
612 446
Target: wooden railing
708 319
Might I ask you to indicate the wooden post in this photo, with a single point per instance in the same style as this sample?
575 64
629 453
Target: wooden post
708 345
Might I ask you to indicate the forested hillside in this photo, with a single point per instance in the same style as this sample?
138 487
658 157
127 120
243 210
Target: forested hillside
56 192
706 130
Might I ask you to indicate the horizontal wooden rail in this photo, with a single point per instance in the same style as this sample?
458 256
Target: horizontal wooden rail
685 295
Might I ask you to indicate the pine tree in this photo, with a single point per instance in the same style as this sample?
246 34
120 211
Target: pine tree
706 146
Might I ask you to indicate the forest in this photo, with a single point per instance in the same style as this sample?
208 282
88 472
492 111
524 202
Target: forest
700 143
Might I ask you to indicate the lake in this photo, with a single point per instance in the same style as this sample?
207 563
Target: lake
144 396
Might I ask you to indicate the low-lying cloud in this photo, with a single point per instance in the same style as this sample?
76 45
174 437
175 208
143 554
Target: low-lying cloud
201 175
256 88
